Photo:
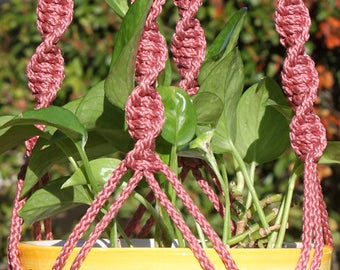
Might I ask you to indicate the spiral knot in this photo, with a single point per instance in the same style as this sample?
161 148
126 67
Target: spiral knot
45 70
292 22
45 73
299 79
308 136
53 18
151 57
188 45
144 113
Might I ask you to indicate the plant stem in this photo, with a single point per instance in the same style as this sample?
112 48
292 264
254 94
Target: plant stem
287 204
227 217
172 193
273 236
113 233
216 166
252 175
201 235
250 186
238 238
89 175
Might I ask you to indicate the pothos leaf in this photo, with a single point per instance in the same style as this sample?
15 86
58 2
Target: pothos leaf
180 117
51 200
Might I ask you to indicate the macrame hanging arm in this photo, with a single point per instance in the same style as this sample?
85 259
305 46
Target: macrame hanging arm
45 73
145 116
308 135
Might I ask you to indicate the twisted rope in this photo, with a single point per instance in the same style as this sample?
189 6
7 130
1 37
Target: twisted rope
308 135
193 165
145 116
188 44
45 73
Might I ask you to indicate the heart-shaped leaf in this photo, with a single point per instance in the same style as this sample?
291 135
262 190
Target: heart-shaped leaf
225 80
180 117
262 131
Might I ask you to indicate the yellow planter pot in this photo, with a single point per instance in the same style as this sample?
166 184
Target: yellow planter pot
43 257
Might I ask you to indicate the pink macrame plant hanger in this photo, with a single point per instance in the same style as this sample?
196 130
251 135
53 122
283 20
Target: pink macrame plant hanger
145 116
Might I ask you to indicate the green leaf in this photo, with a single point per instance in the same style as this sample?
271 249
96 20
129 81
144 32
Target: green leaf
42 158
58 117
102 169
227 39
13 136
4 119
331 154
120 81
98 114
51 200
45 155
118 6
208 107
262 131
199 147
73 105
180 117
225 79
95 111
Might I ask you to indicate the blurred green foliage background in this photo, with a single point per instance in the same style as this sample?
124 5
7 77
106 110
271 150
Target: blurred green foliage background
87 47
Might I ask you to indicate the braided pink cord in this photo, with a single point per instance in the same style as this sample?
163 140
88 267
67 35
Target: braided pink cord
308 135
188 44
45 73
145 116
135 219
16 224
193 165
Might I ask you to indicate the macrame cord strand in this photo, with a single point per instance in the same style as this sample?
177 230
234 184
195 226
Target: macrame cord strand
308 135
145 116
45 73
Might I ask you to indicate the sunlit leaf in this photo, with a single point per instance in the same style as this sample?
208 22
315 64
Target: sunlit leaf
262 131
228 37
180 117
102 169
118 6
225 79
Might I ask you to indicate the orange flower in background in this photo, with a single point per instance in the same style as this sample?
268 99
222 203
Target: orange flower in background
330 30
326 79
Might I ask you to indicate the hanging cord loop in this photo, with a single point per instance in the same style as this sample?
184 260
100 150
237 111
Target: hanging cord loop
145 116
308 135
45 73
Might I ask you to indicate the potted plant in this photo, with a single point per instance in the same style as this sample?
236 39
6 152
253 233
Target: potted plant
137 134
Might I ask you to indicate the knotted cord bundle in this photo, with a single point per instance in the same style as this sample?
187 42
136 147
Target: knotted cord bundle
145 117
308 135
45 73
